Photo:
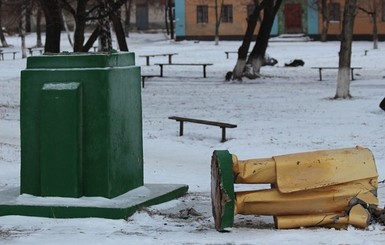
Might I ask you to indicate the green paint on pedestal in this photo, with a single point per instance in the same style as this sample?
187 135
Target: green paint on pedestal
112 121
60 140
222 189
120 207
81 140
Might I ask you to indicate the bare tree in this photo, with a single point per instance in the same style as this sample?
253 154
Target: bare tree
247 38
83 11
22 28
370 8
257 55
52 9
39 43
325 20
2 37
105 40
127 22
119 29
170 18
218 20
67 30
343 80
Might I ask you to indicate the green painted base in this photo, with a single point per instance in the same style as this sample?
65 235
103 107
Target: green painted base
222 190
120 207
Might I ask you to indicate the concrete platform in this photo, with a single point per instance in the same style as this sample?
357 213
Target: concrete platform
121 207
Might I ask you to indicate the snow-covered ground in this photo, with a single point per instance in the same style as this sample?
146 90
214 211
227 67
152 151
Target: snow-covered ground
286 111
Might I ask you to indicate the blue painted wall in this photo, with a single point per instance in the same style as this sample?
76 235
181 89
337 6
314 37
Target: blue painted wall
180 18
274 29
312 18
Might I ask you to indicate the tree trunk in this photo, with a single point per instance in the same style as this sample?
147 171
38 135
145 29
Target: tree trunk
171 19
22 29
28 16
91 40
39 43
218 20
374 20
325 21
244 48
166 19
67 30
375 32
217 23
119 31
52 15
343 80
257 55
128 16
2 37
105 40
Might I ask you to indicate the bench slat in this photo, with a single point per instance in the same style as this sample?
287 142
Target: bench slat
204 65
185 64
223 126
154 55
212 123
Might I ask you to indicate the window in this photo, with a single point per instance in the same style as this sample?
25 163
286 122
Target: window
202 14
334 12
227 14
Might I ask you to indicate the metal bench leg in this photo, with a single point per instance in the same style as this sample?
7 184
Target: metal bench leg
170 58
204 71
143 78
351 71
180 128
161 70
147 60
223 134
320 74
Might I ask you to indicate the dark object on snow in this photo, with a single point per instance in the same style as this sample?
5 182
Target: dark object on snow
382 104
377 215
228 76
296 63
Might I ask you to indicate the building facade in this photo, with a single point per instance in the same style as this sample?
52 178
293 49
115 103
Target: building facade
196 19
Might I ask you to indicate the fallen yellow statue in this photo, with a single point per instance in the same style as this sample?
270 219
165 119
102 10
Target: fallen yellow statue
331 188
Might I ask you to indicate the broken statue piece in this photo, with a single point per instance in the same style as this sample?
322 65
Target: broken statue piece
330 188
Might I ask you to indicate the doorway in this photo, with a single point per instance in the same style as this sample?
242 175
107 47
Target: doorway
141 17
293 18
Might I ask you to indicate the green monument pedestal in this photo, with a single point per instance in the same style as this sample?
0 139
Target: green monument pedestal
81 139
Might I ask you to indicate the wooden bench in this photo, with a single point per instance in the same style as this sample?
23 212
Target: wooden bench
204 65
31 50
148 56
231 52
222 125
2 52
334 68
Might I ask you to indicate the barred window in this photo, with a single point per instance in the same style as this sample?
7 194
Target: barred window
334 12
202 14
227 14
